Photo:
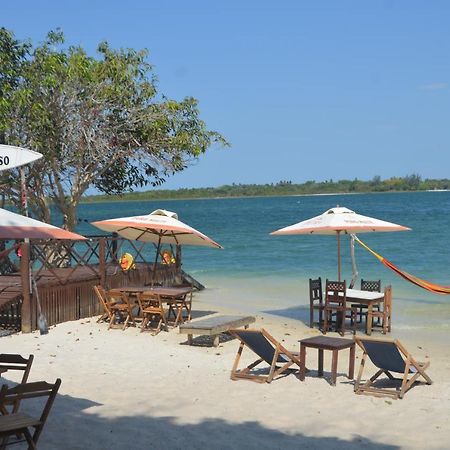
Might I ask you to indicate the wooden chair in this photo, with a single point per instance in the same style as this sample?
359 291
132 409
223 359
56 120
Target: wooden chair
336 305
101 295
121 307
21 424
315 300
151 306
388 356
180 309
16 362
268 349
371 286
384 315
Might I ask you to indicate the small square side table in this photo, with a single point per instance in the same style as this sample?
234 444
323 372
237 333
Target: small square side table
327 343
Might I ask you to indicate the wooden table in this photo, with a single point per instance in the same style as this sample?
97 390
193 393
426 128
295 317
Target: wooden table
327 343
175 297
368 298
213 326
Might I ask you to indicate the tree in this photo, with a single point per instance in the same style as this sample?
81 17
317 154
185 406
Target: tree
99 122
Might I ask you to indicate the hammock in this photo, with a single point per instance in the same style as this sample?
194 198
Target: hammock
436 288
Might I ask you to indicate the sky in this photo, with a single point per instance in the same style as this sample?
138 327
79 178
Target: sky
303 90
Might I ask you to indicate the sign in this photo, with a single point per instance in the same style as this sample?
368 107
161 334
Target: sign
11 156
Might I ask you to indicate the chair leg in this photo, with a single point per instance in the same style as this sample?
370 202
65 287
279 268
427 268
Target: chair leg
311 316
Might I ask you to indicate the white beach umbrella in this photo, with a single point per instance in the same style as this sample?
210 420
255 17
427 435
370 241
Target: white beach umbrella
339 220
160 227
16 226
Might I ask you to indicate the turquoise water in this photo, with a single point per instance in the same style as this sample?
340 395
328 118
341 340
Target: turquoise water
259 272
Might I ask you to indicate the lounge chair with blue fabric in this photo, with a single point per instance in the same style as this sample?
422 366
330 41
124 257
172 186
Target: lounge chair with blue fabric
388 356
268 349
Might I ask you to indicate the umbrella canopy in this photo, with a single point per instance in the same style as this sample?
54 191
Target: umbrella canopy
160 226
339 220
15 226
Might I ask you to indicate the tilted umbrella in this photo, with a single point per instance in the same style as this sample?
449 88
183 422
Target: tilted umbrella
16 226
339 220
160 227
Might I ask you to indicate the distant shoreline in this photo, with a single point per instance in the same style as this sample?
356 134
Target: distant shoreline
144 196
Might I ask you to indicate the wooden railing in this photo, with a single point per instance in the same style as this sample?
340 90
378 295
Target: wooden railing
66 271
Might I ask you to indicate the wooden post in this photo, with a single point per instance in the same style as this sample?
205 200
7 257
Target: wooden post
25 278
102 261
338 234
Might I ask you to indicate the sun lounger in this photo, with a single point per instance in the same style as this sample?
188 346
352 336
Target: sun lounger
268 349
214 326
388 356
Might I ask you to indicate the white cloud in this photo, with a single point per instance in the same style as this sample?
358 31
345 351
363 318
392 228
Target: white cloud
434 86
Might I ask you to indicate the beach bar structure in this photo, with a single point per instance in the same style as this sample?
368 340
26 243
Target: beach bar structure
65 273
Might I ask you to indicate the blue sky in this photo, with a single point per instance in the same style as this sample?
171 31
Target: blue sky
303 90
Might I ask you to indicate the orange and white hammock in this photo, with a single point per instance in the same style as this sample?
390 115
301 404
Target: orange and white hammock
432 287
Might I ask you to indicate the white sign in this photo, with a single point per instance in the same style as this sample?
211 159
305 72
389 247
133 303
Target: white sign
11 156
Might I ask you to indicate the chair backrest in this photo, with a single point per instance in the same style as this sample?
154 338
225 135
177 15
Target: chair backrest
315 291
17 362
149 301
388 298
371 285
101 295
31 390
335 293
259 343
384 354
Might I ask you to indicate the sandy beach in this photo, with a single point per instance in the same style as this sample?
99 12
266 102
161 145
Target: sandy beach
126 389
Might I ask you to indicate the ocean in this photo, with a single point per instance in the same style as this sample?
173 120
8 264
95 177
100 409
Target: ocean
256 272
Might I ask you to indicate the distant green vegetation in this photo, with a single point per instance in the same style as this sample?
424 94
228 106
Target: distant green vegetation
394 184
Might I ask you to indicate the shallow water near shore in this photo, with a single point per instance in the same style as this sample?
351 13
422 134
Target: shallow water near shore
256 272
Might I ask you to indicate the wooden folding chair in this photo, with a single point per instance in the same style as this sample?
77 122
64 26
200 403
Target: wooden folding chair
178 306
121 306
106 304
268 349
388 356
384 315
16 362
151 306
19 423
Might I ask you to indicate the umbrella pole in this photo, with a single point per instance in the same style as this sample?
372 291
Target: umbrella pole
338 235
158 247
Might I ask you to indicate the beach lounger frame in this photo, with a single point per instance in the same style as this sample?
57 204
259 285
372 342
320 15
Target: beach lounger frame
268 349
393 357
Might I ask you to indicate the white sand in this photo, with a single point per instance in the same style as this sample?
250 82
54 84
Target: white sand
127 390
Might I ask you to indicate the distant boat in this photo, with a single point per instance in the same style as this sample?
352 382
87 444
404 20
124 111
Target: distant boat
11 157
437 190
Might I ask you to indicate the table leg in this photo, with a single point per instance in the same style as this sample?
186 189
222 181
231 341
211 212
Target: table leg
334 362
320 371
351 364
190 338
216 340
302 362
369 319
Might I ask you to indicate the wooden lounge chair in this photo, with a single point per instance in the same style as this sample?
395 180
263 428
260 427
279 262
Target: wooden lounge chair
315 300
16 362
21 423
388 356
268 349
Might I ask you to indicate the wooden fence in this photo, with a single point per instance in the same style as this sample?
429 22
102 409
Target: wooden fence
66 271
